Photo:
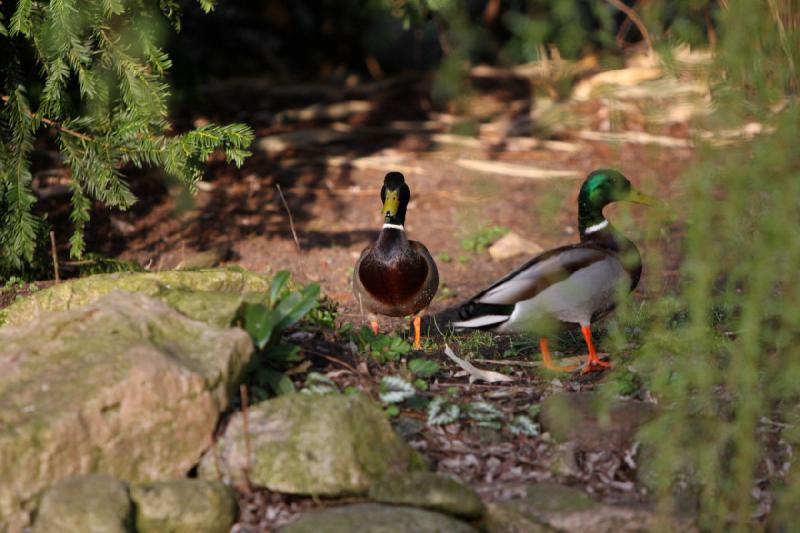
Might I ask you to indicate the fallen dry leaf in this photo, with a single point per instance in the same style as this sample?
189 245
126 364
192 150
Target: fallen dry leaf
476 373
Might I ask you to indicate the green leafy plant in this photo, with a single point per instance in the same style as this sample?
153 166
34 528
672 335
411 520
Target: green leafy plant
523 425
382 348
317 383
441 412
90 78
484 413
423 368
395 389
265 321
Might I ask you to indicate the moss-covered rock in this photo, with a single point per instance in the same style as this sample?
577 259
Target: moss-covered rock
184 506
376 518
126 386
548 506
573 416
82 291
85 504
430 491
505 518
325 445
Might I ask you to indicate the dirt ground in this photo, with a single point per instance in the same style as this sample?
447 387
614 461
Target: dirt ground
331 187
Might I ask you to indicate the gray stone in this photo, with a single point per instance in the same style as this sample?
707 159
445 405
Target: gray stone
555 507
184 506
126 386
85 504
82 291
430 491
327 445
572 416
376 518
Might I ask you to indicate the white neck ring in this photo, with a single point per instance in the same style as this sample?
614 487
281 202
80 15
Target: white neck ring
596 227
394 226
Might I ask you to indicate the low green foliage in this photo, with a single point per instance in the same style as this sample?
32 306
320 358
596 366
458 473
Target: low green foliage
93 263
382 348
265 321
479 240
395 389
424 368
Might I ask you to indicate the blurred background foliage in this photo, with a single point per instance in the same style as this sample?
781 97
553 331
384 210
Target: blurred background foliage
718 350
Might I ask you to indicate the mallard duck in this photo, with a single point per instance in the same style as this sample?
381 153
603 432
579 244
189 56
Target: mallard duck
574 284
395 276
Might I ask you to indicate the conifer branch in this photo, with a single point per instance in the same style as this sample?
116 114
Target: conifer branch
55 124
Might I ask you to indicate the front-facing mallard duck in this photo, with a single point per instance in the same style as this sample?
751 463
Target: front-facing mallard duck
395 276
575 284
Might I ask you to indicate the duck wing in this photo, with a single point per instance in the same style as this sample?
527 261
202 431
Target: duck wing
495 304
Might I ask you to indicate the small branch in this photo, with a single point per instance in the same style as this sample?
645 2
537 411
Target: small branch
246 427
55 256
291 220
54 124
631 14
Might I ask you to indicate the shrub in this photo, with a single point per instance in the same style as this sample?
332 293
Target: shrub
90 77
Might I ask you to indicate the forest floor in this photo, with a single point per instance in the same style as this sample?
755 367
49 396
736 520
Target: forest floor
509 156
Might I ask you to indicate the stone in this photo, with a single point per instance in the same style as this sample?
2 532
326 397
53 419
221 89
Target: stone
572 416
85 504
125 386
79 292
429 491
512 245
184 506
376 518
548 507
504 518
319 444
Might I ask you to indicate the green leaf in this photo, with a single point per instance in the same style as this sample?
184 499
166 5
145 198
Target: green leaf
259 322
522 425
483 411
277 285
440 412
392 411
395 389
423 368
297 305
278 382
317 383
284 353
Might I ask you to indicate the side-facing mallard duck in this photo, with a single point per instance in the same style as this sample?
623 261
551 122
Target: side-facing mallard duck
574 284
395 276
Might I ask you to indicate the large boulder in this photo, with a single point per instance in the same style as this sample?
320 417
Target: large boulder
125 386
85 504
376 518
432 491
184 506
79 292
325 445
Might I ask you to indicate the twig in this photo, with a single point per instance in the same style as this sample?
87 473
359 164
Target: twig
54 124
55 257
246 428
291 220
334 360
631 14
